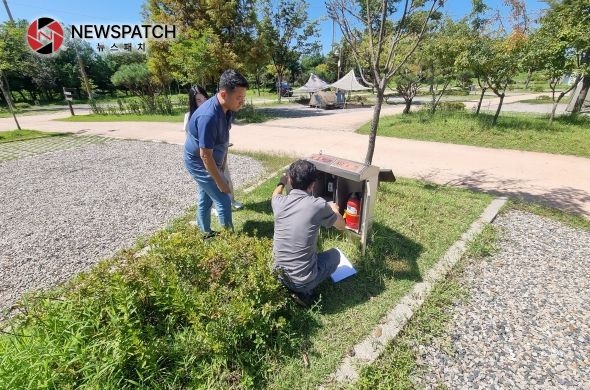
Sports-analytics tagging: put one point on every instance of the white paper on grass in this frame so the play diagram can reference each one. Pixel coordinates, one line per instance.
(344, 270)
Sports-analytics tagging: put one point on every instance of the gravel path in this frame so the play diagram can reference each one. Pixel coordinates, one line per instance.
(62, 212)
(526, 324)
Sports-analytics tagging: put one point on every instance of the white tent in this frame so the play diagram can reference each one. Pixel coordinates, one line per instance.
(314, 84)
(349, 83)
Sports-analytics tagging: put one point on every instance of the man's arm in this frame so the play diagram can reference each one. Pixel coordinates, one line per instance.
(340, 224)
(207, 157)
(278, 190)
(281, 185)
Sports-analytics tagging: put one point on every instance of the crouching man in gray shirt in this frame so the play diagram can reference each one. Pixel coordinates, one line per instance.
(298, 217)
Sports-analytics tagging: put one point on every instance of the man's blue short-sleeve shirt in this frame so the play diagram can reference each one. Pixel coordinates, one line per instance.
(208, 128)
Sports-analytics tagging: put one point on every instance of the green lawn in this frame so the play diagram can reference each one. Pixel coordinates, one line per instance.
(566, 135)
(191, 314)
(21, 135)
(545, 99)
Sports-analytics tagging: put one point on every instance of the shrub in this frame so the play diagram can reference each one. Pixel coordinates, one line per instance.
(95, 108)
(21, 105)
(250, 114)
(445, 106)
(457, 92)
(360, 99)
(187, 314)
(452, 106)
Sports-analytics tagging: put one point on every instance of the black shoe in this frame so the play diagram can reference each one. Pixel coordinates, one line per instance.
(303, 299)
(210, 234)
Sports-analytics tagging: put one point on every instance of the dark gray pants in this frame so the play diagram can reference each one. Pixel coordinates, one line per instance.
(327, 263)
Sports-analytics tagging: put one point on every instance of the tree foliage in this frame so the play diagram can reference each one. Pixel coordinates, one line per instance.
(286, 32)
(566, 26)
(212, 35)
(375, 32)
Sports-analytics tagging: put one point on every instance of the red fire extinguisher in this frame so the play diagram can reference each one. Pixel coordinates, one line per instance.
(353, 212)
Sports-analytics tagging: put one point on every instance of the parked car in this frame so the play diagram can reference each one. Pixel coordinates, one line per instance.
(285, 89)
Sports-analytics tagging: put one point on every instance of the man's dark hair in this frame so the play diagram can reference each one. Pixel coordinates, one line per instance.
(230, 80)
(302, 173)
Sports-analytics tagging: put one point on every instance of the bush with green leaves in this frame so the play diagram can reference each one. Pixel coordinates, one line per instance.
(445, 106)
(188, 313)
(21, 105)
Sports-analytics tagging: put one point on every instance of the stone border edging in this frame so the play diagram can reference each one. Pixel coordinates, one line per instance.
(366, 351)
(254, 186)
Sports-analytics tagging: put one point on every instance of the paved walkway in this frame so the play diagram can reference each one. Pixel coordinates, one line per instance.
(561, 181)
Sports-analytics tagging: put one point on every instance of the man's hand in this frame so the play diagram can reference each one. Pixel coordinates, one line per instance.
(284, 180)
(224, 187)
(334, 207)
(340, 223)
(209, 162)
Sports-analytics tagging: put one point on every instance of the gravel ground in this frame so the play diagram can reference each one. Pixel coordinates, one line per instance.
(526, 324)
(62, 212)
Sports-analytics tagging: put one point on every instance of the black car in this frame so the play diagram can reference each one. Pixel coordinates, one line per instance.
(285, 89)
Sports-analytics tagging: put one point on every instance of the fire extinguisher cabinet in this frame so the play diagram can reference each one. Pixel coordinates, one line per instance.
(338, 179)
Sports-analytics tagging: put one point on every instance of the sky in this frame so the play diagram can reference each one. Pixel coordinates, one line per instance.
(129, 12)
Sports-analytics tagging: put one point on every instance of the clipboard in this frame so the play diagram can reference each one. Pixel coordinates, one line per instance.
(344, 270)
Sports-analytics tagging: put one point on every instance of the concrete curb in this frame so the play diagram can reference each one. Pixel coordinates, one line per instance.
(370, 348)
(254, 186)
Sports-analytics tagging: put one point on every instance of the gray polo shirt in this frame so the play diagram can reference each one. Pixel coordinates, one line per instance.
(298, 217)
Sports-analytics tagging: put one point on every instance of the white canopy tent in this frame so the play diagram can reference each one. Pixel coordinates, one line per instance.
(314, 84)
(349, 83)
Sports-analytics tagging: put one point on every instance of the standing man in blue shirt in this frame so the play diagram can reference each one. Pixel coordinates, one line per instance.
(205, 149)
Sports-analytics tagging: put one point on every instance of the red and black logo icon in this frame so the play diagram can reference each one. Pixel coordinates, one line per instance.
(45, 35)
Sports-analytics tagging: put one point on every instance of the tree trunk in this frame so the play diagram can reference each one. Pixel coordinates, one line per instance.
(582, 96)
(483, 92)
(555, 103)
(279, 78)
(375, 124)
(8, 102)
(499, 108)
(408, 105)
(528, 78)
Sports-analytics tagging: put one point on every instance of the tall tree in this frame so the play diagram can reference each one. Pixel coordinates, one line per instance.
(440, 54)
(504, 63)
(547, 53)
(570, 22)
(384, 25)
(212, 35)
(287, 34)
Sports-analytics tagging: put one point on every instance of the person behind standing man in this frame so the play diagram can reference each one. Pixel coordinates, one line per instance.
(298, 217)
(205, 149)
(196, 96)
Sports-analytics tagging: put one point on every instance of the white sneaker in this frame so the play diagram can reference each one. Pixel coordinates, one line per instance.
(237, 205)
(214, 211)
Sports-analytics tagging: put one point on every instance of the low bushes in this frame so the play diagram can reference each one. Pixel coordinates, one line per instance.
(161, 104)
(187, 314)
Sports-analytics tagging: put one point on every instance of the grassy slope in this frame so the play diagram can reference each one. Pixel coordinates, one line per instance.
(514, 131)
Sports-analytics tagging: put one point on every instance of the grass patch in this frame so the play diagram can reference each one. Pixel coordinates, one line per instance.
(195, 314)
(177, 118)
(398, 364)
(545, 99)
(23, 134)
(566, 135)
